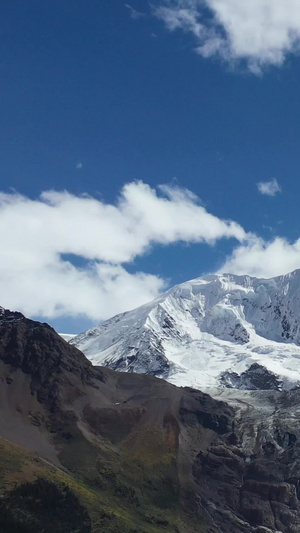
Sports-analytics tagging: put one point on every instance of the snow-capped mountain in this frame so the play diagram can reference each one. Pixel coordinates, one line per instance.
(218, 330)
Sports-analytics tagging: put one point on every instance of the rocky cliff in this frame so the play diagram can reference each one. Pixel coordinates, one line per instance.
(142, 454)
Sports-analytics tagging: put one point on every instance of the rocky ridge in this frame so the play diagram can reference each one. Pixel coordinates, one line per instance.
(174, 458)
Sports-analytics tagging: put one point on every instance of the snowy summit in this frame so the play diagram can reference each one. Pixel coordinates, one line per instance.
(236, 332)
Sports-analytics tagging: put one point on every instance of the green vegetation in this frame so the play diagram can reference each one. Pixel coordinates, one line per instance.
(43, 507)
(10, 463)
(116, 500)
(130, 489)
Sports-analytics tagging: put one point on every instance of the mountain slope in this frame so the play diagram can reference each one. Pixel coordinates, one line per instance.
(122, 442)
(140, 454)
(216, 330)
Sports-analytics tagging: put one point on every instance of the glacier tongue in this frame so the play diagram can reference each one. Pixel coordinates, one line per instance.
(208, 333)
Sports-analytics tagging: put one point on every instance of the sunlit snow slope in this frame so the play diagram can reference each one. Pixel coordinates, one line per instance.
(234, 331)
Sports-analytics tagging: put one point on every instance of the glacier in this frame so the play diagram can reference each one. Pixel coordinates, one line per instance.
(212, 333)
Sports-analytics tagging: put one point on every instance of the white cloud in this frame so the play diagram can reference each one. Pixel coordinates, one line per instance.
(58, 288)
(264, 259)
(35, 234)
(37, 278)
(261, 32)
(270, 188)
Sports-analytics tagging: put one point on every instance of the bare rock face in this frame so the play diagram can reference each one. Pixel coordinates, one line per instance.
(39, 352)
(252, 476)
(256, 377)
(198, 464)
(259, 493)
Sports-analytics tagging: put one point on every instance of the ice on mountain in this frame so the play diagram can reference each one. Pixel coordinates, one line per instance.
(201, 329)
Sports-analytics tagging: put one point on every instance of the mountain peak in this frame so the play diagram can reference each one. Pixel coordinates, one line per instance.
(203, 328)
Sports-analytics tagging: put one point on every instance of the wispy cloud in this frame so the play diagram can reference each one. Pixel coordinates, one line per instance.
(134, 14)
(270, 188)
(258, 32)
(36, 235)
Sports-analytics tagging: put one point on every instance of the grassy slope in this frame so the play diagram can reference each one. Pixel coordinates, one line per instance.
(132, 491)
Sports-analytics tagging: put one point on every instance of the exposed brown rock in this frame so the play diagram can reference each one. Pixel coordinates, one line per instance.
(189, 449)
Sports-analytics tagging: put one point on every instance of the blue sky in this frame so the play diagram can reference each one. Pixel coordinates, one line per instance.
(97, 96)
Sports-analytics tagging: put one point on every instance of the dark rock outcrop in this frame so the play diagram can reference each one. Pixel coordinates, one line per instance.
(256, 377)
(175, 458)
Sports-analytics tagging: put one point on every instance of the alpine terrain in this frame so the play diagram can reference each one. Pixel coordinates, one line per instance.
(212, 333)
(87, 449)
